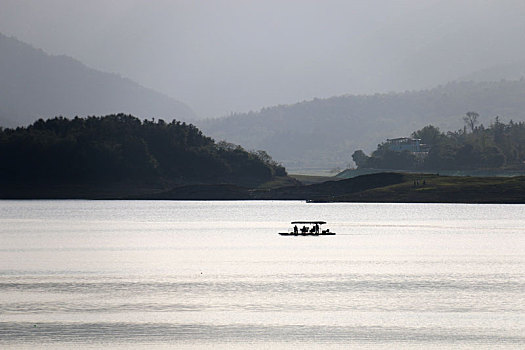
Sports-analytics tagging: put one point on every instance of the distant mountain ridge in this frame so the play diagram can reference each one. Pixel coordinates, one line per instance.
(36, 85)
(325, 132)
(511, 71)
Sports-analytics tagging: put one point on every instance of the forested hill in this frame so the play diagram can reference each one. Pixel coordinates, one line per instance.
(498, 146)
(325, 132)
(36, 85)
(121, 149)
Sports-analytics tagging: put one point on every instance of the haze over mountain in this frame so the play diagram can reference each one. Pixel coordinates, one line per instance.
(510, 71)
(235, 56)
(36, 85)
(324, 132)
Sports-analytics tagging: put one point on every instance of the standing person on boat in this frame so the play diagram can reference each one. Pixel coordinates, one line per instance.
(295, 229)
(316, 228)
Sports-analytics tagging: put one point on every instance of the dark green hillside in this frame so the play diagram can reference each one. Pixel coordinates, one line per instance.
(121, 155)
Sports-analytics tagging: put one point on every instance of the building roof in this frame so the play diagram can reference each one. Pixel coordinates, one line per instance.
(403, 138)
(309, 222)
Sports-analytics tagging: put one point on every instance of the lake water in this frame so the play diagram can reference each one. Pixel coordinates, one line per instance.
(215, 274)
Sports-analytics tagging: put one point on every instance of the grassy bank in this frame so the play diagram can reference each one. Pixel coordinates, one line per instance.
(430, 188)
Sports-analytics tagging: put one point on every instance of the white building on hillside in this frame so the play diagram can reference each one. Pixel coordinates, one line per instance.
(407, 144)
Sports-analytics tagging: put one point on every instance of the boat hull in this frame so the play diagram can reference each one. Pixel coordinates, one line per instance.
(307, 234)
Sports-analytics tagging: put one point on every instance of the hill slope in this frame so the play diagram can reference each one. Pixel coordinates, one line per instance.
(120, 155)
(325, 132)
(36, 85)
(430, 188)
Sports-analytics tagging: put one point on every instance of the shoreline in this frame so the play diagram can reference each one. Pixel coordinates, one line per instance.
(371, 188)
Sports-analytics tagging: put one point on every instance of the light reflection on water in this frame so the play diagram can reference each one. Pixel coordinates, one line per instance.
(198, 274)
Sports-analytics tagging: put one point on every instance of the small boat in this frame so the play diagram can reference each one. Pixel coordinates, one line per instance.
(313, 229)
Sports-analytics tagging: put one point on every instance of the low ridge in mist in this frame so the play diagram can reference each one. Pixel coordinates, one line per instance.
(325, 132)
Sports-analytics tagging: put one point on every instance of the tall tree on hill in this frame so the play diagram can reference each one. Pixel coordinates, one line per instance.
(471, 120)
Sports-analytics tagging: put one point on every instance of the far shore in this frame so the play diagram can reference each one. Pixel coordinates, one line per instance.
(379, 188)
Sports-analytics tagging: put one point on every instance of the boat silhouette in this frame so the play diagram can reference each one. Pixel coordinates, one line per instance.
(313, 229)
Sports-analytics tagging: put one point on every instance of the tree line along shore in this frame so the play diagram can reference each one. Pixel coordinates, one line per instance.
(122, 157)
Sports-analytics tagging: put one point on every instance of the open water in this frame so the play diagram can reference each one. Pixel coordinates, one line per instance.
(215, 274)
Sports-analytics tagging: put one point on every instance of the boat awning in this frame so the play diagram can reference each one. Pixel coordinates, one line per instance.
(309, 222)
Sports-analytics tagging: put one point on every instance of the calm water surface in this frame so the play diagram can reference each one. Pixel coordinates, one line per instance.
(161, 274)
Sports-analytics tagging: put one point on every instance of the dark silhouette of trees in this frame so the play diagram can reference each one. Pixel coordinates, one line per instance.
(429, 135)
(123, 148)
(471, 120)
(385, 158)
(360, 158)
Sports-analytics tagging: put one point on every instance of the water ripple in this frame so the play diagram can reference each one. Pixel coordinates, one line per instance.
(24, 332)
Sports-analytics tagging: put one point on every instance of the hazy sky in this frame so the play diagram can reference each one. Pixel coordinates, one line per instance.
(237, 55)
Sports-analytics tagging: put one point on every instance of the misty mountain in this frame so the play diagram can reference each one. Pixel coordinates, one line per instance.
(325, 132)
(36, 85)
(509, 71)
